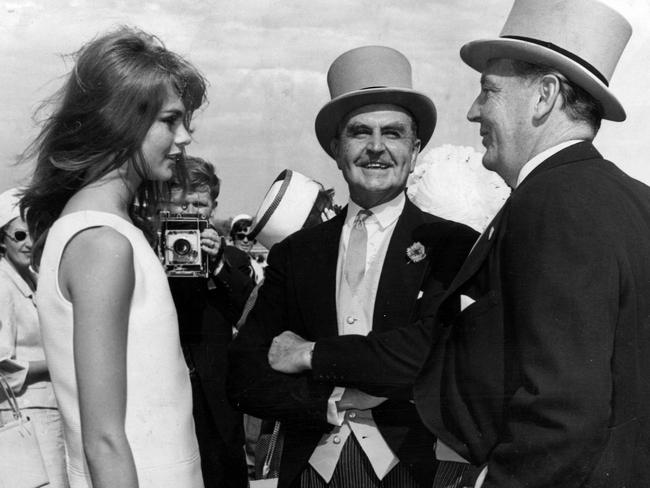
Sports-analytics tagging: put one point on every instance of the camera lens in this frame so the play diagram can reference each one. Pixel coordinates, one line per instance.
(182, 247)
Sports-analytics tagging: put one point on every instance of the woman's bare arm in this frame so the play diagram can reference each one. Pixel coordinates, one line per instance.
(97, 274)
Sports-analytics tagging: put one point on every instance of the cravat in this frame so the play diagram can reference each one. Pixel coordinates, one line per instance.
(355, 256)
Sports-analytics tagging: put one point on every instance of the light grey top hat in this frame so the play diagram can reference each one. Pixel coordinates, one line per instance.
(583, 39)
(371, 75)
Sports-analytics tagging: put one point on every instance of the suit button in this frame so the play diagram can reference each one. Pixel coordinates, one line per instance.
(352, 415)
(337, 439)
(350, 319)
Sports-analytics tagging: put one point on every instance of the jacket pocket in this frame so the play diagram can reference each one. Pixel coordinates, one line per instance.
(478, 308)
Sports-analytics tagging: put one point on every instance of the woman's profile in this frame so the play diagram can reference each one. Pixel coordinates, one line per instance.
(119, 126)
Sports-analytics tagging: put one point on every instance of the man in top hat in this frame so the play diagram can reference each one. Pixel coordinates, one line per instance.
(353, 275)
(543, 374)
(541, 378)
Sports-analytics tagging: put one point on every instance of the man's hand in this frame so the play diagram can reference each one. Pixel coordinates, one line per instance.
(290, 353)
(353, 398)
(210, 242)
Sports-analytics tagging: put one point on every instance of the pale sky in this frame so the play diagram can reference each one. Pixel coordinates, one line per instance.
(266, 63)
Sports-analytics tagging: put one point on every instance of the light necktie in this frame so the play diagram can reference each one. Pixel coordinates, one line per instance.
(355, 256)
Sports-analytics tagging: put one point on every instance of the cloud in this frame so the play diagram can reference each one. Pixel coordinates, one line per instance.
(266, 62)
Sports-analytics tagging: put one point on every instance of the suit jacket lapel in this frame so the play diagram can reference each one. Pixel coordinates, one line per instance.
(316, 278)
(479, 252)
(400, 278)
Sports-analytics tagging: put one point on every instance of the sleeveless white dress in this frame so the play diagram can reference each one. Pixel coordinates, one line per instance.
(159, 424)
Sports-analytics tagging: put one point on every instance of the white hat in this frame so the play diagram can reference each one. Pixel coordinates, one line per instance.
(583, 39)
(239, 217)
(9, 208)
(285, 207)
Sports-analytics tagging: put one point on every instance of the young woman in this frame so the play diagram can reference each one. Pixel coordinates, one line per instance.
(109, 325)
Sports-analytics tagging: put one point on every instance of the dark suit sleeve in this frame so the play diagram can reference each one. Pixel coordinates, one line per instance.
(561, 281)
(233, 284)
(253, 386)
(386, 363)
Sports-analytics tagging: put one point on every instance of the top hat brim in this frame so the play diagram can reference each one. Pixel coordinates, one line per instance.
(419, 105)
(476, 54)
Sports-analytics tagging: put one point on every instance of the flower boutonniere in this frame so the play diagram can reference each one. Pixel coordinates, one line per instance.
(416, 252)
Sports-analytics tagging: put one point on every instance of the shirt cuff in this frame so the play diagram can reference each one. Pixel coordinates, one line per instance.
(334, 416)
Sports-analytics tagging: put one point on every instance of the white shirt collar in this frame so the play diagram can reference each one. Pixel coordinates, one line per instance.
(386, 213)
(541, 157)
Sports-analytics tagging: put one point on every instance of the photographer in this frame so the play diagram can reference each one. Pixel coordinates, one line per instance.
(207, 310)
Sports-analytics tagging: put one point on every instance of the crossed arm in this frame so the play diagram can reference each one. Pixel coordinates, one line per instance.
(252, 385)
(256, 388)
(382, 364)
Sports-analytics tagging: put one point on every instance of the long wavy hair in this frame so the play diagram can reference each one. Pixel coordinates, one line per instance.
(99, 120)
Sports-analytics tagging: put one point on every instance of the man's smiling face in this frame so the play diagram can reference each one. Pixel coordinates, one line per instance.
(504, 109)
(376, 151)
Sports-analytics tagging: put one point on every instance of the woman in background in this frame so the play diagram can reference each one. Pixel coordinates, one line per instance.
(108, 320)
(239, 229)
(22, 359)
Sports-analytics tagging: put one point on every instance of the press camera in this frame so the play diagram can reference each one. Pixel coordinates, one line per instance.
(179, 245)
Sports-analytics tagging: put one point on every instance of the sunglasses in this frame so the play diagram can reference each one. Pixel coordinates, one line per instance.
(242, 235)
(19, 236)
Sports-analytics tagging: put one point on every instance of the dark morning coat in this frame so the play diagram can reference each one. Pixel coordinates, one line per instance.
(546, 376)
(299, 294)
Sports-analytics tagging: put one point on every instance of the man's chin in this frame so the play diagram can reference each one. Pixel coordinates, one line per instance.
(489, 162)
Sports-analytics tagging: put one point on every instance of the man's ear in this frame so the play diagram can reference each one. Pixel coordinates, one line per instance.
(548, 95)
(334, 148)
(414, 154)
